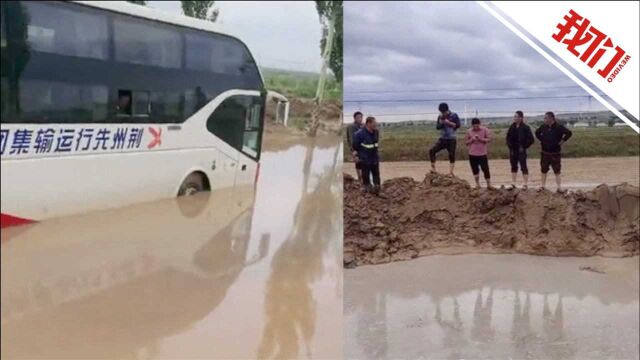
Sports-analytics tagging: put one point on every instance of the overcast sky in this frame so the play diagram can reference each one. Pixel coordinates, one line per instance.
(284, 35)
(443, 46)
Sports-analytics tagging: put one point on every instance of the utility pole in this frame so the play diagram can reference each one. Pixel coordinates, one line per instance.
(315, 121)
(465, 115)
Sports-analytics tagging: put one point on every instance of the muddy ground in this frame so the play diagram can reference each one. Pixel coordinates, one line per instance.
(577, 173)
(445, 215)
(330, 115)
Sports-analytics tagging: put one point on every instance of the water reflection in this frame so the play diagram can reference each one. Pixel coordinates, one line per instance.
(453, 329)
(481, 330)
(519, 311)
(71, 286)
(289, 305)
(153, 280)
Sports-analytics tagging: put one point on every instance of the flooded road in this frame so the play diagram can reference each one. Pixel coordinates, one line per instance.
(493, 306)
(578, 173)
(230, 274)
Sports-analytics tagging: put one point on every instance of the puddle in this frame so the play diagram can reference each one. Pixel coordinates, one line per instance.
(493, 306)
(253, 272)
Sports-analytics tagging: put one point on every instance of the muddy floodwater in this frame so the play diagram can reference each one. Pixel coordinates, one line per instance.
(253, 272)
(578, 173)
(493, 307)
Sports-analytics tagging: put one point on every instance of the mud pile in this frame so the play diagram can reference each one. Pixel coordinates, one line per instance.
(330, 110)
(445, 215)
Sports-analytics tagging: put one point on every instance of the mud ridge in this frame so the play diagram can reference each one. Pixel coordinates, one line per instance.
(445, 215)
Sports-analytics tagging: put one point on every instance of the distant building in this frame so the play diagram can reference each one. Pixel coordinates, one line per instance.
(581, 124)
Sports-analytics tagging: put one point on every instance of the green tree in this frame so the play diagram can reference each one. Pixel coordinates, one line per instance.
(139, 2)
(200, 9)
(327, 9)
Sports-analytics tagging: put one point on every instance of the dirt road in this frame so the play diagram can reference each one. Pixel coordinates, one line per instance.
(493, 307)
(579, 173)
(248, 273)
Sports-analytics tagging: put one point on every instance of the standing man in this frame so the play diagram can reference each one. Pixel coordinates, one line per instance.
(365, 142)
(351, 130)
(551, 136)
(477, 139)
(519, 139)
(448, 122)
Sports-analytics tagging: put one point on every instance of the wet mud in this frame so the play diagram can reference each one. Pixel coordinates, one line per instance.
(445, 215)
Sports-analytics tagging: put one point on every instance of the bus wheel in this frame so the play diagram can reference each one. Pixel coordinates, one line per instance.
(193, 184)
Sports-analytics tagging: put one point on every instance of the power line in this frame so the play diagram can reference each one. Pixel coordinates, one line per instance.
(458, 90)
(493, 112)
(465, 99)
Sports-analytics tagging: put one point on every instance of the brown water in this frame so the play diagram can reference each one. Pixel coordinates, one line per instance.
(578, 173)
(493, 307)
(231, 274)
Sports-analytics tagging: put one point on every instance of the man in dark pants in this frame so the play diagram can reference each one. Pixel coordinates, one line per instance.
(365, 142)
(448, 122)
(551, 136)
(519, 139)
(477, 139)
(351, 130)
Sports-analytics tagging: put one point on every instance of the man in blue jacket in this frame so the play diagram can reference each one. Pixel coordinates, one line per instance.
(448, 122)
(365, 142)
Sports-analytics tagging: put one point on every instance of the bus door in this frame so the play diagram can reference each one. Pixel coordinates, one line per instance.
(251, 140)
(238, 122)
(226, 173)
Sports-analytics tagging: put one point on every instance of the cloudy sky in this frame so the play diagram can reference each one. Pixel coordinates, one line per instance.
(396, 51)
(284, 35)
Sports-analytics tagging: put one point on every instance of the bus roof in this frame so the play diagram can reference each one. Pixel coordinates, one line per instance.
(127, 8)
(131, 9)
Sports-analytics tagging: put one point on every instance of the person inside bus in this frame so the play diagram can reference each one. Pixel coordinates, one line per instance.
(124, 103)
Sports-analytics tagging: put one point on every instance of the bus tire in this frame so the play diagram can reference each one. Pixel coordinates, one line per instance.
(195, 183)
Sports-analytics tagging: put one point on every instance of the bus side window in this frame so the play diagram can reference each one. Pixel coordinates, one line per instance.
(141, 103)
(237, 121)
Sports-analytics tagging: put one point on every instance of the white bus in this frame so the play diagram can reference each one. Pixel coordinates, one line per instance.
(106, 104)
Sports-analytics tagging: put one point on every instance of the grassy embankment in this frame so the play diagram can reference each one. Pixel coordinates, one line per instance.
(302, 85)
(412, 143)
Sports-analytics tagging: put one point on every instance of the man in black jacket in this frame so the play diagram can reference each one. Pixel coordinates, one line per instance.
(551, 136)
(519, 139)
(365, 142)
(351, 130)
